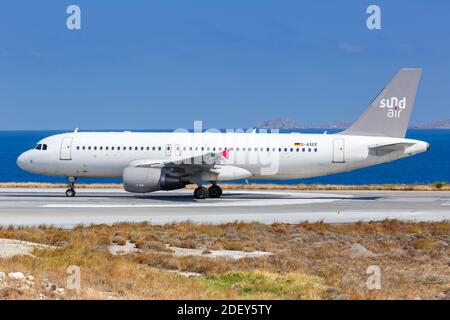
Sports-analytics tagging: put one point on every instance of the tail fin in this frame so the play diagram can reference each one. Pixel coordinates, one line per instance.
(388, 114)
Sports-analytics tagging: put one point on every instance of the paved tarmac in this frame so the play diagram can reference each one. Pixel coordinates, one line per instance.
(22, 206)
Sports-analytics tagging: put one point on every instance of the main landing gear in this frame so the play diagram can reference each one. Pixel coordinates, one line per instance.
(213, 192)
(71, 191)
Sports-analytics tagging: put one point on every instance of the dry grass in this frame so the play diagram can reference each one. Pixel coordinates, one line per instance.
(437, 186)
(310, 260)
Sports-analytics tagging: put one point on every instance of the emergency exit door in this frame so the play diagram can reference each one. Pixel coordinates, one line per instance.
(338, 151)
(66, 149)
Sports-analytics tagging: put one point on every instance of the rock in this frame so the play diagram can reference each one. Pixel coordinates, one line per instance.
(16, 275)
(48, 286)
(29, 278)
(358, 251)
(8, 292)
(2, 276)
(441, 244)
(60, 290)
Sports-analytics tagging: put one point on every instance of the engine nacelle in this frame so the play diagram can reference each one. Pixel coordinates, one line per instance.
(143, 180)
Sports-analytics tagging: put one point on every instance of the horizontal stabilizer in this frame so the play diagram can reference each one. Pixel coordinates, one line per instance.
(383, 149)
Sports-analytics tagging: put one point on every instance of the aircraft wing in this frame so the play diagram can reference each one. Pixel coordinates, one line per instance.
(206, 160)
(382, 149)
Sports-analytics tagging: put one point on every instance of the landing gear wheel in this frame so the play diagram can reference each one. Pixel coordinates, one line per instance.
(201, 193)
(70, 193)
(215, 191)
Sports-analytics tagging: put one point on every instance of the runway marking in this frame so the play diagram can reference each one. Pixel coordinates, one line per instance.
(247, 203)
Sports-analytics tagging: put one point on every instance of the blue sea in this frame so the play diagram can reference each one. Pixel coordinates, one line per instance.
(424, 168)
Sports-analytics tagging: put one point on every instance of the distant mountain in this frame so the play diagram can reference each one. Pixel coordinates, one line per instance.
(289, 123)
(282, 123)
(441, 124)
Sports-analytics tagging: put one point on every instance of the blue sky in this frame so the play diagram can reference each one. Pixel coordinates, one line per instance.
(164, 64)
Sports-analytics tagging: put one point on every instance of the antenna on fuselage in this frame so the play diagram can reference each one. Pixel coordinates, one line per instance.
(76, 130)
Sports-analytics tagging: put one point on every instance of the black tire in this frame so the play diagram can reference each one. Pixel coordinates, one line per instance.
(201, 193)
(70, 193)
(215, 191)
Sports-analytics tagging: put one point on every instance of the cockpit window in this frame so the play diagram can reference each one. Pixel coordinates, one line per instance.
(41, 147)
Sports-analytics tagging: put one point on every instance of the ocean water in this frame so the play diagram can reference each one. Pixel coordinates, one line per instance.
(424, 168)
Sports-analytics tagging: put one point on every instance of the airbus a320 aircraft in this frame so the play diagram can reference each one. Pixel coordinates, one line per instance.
(149, 161)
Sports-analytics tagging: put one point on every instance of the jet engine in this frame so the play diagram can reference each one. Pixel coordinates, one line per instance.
(143, 180)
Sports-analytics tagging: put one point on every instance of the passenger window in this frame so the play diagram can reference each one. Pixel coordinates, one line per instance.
(285, 149)
(106, 148)
(309, 149)
(78, 148)
(303, 150)
(292, 149)
(84, 148)
(95, 148)
(159, 148)
(153, 148)
(315, 149)
(112, 148)
(101, 148)
(297, 149)
(89, 148)
(118, 148)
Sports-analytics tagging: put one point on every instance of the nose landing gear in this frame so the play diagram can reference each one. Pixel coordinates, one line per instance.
(71, 191)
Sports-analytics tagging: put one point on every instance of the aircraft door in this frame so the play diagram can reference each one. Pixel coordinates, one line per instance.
(338, 151)
(66, 149)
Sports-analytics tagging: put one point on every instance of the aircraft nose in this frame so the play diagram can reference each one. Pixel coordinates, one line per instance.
(22, 161)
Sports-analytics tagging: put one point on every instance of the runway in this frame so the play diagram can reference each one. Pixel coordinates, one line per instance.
(22, 206)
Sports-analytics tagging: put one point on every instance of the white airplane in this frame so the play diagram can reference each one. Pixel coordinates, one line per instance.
(150, 161)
